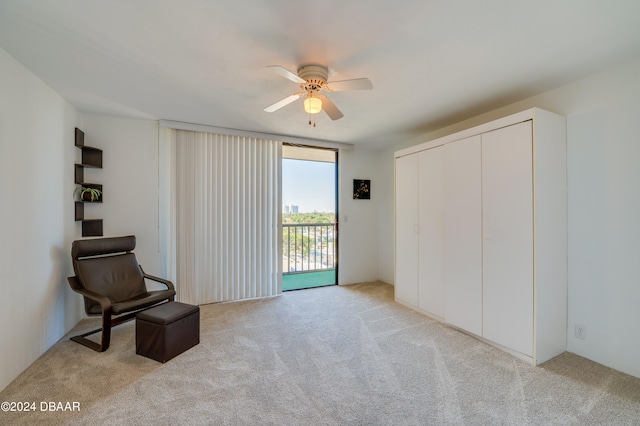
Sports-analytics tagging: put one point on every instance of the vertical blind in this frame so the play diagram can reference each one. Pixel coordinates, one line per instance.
(227, 195)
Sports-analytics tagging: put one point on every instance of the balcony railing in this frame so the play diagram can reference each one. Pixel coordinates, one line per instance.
(308, 247)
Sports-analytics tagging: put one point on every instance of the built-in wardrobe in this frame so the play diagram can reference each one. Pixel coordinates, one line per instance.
(481, 232)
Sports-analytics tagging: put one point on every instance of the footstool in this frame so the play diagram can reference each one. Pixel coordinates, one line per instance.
(165, 331)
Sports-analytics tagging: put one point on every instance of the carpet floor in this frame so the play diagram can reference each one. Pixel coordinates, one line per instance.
(337, 355)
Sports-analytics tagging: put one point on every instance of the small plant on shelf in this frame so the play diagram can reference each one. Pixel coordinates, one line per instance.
(88, 194)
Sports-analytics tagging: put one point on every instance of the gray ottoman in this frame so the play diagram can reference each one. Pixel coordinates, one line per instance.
(165, 331)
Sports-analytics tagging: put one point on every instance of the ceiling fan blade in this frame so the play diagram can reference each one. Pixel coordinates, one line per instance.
(330, 108)
(284, 102)
(355, 84)
(286, 74)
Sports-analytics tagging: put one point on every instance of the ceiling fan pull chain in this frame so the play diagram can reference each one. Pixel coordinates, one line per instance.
(314, 120)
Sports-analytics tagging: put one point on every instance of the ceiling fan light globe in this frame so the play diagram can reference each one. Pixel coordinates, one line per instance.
(312, 105)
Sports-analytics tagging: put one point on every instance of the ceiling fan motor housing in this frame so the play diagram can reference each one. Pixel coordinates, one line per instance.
(315, 77)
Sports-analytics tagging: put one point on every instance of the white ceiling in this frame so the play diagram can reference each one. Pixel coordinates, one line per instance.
(432, 62)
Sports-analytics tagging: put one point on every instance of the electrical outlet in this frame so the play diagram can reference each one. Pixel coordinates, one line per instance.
(581, 332)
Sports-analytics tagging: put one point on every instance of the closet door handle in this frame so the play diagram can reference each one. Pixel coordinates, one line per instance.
(415, 228)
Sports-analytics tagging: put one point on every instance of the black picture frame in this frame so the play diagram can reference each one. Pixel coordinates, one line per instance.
(361, 189)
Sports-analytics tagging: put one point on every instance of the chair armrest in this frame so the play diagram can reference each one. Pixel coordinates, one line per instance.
(104, 301)
(168, 283)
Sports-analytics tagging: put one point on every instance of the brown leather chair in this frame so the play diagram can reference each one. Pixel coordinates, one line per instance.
(113, 284)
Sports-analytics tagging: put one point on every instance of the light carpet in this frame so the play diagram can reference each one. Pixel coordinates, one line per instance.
(339, 355)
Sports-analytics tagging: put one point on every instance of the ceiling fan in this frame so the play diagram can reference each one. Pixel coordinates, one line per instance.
(312, 79)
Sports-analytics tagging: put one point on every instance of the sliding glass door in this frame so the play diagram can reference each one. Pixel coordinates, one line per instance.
(309, 217)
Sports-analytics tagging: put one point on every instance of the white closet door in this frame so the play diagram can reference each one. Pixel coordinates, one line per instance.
(463, 234)
(507, 191)
(431, 232)
(406, 279)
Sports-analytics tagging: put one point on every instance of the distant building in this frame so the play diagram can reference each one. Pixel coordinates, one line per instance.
(290, 209)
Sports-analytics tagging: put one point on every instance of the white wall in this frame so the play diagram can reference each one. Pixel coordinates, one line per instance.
(129, 178)
(130, 203)
(37, 153)
(358, 232)
(386, 211)
(603, 147)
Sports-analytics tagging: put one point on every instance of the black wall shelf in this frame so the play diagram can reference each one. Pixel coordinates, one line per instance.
(92, 228)
(92, 158)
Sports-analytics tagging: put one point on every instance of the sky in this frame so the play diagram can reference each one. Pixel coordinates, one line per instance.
(309, 184)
